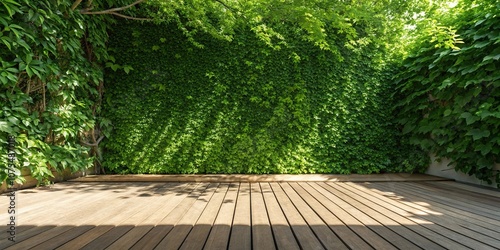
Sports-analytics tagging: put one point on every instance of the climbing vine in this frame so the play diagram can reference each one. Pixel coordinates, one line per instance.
(245, 107)
(450, 91)
(51, 86)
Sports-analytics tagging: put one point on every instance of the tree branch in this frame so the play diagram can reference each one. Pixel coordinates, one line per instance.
(113, 10)
(120, 15)
(93, 144)
(131, 17)
(75, 4)
(227, 6)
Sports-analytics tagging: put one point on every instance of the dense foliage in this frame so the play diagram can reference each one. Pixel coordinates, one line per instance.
(53, 53)
(450, 90)
(244, 107)
(249, 86)
(49, 83)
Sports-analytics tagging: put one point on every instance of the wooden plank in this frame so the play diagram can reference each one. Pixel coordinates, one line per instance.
(467, 219)
(329, 239)
(156, 234)
(175, 238)
(484, 193)
(21, 229)
(283, 234)
(198, 235)
(58, 218)
(86, 238)
(357, 212)
(328, 200)
(429, 199)
(74, 208)
(478, 235)
(33, 215)
(126, 219)
(110, 217)
(461, 208)
(398, 224)
(26, 196)
(22, 235)
(262, 235)
(456, 201)
(107, 238)
(144, 221)
(473, 188)
(439, 225)
(42, 194)
(219, 235)
(40, 238)
(63, 238)
(492, 217)
(349, 237)
(46, 197)
(63, 210)
(302, 231)
(477, 198)
(447, 219)
(241, 233)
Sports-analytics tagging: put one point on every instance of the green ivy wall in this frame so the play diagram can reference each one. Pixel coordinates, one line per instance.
(450, 94)
(243, 107)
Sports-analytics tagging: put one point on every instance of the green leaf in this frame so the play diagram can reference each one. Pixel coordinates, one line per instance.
(485, 149)
(469, 118)
(127, 68)
(7, 41)
(29, 58)
(4, 126)
(446, 83)
(3, 79)
(10, 6)
(29, 71)
(491, 57)
(478, 134)
(486, 113)
(481, 44)
(13, 120)
(479, 22)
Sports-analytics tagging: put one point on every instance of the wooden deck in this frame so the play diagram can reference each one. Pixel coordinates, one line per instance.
(255, 215)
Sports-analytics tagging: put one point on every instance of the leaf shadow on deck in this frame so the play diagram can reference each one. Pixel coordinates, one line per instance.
(291, 215)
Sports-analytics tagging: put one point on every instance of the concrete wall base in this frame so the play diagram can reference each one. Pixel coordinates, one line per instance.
(442, 169)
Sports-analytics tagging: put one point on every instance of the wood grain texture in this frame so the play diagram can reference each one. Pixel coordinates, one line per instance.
(256, 215)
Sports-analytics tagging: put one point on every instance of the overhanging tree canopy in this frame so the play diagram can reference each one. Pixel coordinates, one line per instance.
(362, 22)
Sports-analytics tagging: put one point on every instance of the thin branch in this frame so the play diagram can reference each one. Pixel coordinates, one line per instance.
(227, 6)
(75, 4)
(95, 144)
(120, 15)
(111, 11)
(114, 11)
(131, 17)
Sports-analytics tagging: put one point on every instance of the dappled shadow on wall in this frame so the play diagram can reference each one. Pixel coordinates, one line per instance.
(246, 110)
